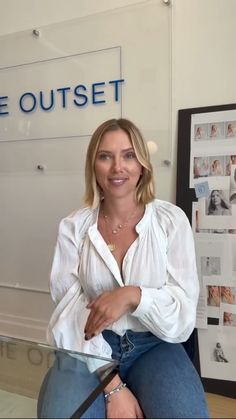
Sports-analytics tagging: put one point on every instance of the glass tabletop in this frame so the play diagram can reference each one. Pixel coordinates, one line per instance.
(24, 366)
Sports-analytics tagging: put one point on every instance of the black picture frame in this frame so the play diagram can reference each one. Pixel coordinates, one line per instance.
(184, 198)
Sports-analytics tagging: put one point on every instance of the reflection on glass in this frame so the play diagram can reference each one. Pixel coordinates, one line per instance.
(29, 371)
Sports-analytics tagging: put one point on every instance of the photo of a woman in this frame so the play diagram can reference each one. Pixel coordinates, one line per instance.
(229, 319)
(200, 132)
(216, 130)
(213, 297)
(231, 130)
(210, 265)
(228, 295)
(218, 204)
(230, 163)
(216, 168)
(201, 167)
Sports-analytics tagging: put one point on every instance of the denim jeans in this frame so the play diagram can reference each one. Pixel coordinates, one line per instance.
(159, 374)
(65, 387)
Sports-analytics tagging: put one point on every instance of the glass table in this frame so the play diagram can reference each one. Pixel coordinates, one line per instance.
(23, 367)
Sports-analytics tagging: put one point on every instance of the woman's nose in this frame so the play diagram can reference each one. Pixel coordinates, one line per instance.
(117, 164)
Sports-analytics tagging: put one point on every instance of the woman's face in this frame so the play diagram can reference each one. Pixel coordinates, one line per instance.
(216, 198)
(117, 169)
(213, 289)
(214, 129)
(228, 317)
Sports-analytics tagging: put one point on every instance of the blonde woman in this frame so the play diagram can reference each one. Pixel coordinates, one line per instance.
(126, 265)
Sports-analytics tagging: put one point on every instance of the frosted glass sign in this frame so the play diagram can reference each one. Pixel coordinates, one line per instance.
(60, 97)
(55, 89)
(78, 73)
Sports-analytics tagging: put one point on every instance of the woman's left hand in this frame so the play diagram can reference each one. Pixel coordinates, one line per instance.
(109, 307)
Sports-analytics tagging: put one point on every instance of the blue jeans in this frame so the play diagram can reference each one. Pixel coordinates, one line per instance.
(65, 387)
(159, 374)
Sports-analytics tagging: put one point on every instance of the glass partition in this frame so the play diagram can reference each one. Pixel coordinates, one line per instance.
(25, 365)
(58, 82)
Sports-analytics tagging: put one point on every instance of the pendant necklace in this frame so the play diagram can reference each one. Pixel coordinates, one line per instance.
(116, 230)
(111, 247)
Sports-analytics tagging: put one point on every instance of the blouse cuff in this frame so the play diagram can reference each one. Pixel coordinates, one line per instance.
(148, 295)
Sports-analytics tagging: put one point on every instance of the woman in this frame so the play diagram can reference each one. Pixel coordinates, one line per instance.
(218, 204)
(231, 162)
(214, 130)
(131, 260)
(219, 353)
(216, 168)
(201, 167)
(200, 133)
(213, 298)
(228, 319)
(227, 295)
(230, 130)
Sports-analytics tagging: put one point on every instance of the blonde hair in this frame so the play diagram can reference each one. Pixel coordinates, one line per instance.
(145, 187)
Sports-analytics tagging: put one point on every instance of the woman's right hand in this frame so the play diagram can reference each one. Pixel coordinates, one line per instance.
(123, 404)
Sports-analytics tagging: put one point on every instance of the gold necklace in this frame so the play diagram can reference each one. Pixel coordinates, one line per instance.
(116, 230)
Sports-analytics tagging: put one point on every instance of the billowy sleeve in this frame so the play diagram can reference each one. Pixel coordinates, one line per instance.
(169, 312)
(66, 326)
(65, 264)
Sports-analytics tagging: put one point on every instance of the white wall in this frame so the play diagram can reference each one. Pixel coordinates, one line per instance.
(26, 14)
(203, 50)
(203, 73)
(204, 54)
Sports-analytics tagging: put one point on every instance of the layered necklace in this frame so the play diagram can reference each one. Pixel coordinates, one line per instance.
(118, 228)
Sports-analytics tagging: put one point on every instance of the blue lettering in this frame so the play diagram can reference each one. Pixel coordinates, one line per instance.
(63, 90)
(46, 108)
(3, 105)
(22, 98)
(81, 96)
(28, 101)
(97, 93)
(116, 87)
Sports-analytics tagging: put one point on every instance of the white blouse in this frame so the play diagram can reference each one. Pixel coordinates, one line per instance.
(161, 261)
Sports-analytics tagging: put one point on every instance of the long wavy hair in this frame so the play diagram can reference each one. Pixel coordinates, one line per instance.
(223, 202)
(145, 191)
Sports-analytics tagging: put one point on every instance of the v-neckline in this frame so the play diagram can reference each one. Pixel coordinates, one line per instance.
(103, 250)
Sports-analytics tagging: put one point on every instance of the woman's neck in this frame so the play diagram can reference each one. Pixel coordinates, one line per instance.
(119, 209)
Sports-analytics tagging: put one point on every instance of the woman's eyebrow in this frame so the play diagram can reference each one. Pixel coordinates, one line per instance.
(127, 149)
(104, 151)
(122, 151)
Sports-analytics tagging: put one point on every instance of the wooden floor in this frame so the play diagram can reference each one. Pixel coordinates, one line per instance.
(221, 407)
(16, 406)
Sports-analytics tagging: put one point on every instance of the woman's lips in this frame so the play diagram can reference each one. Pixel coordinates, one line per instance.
(117, 181)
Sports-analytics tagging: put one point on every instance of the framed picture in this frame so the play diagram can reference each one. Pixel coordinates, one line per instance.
(206, 191)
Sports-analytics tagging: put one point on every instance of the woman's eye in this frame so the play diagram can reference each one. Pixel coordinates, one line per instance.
(104, 156)
(130, 155)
